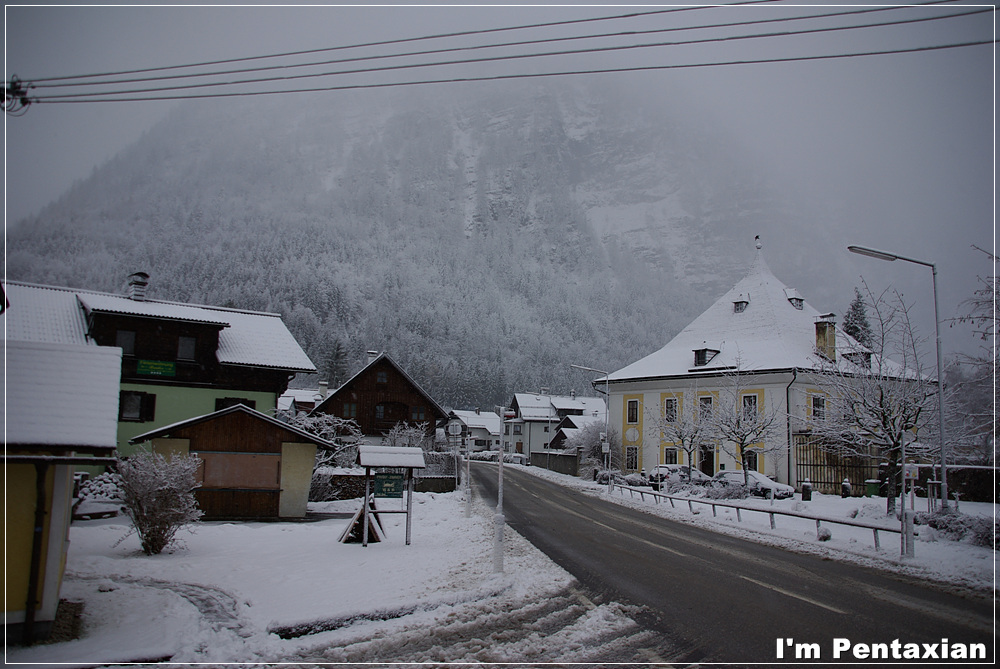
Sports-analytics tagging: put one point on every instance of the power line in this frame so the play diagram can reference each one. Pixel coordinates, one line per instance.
(499, 77)
(472, 61)
(404, 40)
(76, 84)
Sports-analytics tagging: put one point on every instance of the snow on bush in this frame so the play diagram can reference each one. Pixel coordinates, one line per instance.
(977, 530)
(158, 495)
(726, 491)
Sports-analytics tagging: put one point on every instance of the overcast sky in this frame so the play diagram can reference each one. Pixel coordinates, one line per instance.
(897, 149)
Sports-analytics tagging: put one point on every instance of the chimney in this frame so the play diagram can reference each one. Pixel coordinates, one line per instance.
(572, 394)
(477, 411)
(371, 356)
(137, 284)
(826, 336)
(324, 387)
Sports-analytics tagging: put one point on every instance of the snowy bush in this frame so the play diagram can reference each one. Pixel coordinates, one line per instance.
(824, 534)
(158, 496)
(726, 491)
(977, 530)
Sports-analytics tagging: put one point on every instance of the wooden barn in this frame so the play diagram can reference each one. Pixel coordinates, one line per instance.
(253, 466)
(380, 396)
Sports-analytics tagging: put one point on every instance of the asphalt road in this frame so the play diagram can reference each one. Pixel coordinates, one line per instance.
(718, 598)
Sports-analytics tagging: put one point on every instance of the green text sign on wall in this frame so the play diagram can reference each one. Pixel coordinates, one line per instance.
(156, 368)
(389, 485)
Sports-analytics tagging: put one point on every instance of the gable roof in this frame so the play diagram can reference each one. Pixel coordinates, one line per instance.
(537, 407)
(61, 394)
(384, 356)
(238, 408)
(487, 420)
(59, 315)
(771, 333)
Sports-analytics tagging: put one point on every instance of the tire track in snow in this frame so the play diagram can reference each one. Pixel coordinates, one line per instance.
(563, 626)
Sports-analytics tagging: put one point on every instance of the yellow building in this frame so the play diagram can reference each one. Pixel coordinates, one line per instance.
(61, 412)
(779, 345)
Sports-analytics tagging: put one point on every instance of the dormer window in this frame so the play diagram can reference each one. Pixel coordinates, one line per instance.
(703, 356)
(740, 303)
(794, 298)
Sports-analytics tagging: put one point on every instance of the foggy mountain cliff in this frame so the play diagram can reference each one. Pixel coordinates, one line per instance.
(485, 237)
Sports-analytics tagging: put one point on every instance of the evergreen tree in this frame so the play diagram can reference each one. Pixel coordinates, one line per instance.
(336, 365)
(856, 321)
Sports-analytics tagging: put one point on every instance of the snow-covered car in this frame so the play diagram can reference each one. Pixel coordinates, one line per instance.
(757, 482)
(677, 474)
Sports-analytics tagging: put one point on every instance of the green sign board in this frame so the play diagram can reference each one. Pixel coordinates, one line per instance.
(156, 368)
(389, 485)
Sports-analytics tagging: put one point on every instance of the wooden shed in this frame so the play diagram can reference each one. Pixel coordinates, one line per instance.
(253, 466)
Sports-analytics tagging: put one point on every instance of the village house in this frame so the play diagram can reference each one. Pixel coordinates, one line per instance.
(768, 333)
(178, 360)
(379, 397)
(537, 416)
(480, 429)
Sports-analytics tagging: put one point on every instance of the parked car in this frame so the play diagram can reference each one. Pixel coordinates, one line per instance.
(758, 483)
(677, 474)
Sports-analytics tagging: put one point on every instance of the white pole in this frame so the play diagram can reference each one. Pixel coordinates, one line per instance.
(498, 519)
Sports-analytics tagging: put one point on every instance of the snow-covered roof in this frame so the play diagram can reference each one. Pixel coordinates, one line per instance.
(775, 331)
(173, 427)
(121, 304)
(61, 394)
(486, 420)
(391, 456)
(539, 407)
(55, 314)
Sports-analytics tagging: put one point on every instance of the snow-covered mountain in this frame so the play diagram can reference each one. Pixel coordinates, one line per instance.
(486, 237)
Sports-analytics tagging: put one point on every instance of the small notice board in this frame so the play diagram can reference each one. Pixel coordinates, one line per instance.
(385, 484)
(390, 485)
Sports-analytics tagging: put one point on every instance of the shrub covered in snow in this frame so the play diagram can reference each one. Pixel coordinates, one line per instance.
(726, 491)
(977, 530)
(158, 495)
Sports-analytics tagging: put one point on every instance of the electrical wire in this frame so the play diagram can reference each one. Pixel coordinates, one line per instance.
(404, 40)
(631, 33)
(500, 77)
(491, 59)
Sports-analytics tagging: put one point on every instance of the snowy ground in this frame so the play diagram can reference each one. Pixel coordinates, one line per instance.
(232, 591)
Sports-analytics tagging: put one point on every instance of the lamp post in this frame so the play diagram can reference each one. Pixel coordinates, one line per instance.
(607, 412)
(889, 257)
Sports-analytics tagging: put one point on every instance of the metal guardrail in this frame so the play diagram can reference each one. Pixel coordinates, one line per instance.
(771, 512)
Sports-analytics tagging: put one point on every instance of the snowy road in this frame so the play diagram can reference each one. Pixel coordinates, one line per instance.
(722, 598)
(564, 627)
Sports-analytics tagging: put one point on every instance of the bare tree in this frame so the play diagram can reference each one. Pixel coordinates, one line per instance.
(343, 433)
(740, 423)
(880, 403)
(680, 424)
(588, 440)
(971, 392)
(403, 434)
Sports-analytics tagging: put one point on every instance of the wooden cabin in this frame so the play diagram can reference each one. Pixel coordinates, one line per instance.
(253, 466)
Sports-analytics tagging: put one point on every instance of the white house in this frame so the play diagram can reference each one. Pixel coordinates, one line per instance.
(481, 428)
(768, 332)
(538, 415)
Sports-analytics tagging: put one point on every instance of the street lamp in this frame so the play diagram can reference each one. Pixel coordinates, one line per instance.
(883, 255)
(607, 412)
